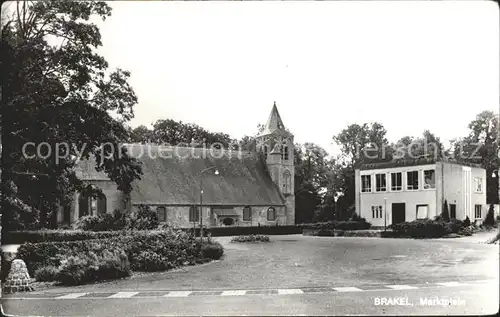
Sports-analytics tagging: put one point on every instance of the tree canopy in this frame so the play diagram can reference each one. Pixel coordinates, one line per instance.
(57, 91)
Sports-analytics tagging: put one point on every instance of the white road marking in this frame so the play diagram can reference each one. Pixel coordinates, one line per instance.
(290, 291)
(450, 284)
(233, 293)
(178, 294)
(401, 287)
(123, 295)
(347, 289)
(71, 295)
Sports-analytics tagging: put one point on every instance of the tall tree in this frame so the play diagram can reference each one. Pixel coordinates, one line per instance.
(57, 91)
(481, 147)
(358, 143)
(312, 175)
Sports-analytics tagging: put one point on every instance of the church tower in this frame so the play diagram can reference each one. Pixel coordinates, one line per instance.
(276, 145)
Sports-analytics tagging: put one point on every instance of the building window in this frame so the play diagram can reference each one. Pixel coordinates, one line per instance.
(286, 155)
(271, 214)
(91, 206)
(101, 205)
(453, 211)
(265, 151)
(396, 181)
(247, 214)
(376, 212)
(422, 211)
(429, 179)
(287, 182)
(366, 183)
(477, 212)
(380, 183)
(194, 214)
(162, 214)
(412, 180)
(478, 184)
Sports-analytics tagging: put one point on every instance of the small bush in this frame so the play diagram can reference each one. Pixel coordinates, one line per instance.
(465, 231)
(213, 250)
(456, 225)
(46, 273)
(145, 219)
(118, 220)
(90, 267)
(251, 238)
(467, 222)
(489, 221)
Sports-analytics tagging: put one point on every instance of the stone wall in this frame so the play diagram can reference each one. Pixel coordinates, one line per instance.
(179, 216)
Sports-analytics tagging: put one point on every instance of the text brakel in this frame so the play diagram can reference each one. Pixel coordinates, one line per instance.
(392, 301)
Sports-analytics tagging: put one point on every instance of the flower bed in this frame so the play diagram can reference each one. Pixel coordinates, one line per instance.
(79, 262)
(251, 238)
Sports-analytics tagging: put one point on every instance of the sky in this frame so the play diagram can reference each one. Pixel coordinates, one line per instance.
(410, 65)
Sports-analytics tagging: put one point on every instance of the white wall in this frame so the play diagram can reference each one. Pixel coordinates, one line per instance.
(411, 198)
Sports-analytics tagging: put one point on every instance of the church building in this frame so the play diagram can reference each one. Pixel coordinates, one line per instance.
(216, 187)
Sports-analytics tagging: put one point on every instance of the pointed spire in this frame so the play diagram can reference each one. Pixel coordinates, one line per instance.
(274, 121)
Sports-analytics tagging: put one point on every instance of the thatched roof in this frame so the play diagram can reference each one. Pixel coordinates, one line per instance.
(174, 178)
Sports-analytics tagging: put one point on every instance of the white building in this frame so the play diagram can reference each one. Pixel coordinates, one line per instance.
(405, 190)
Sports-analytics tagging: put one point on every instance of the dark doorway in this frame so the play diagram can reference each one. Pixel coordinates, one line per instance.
(228, 221)
(453, 211)
(398, 213)
(66, 214)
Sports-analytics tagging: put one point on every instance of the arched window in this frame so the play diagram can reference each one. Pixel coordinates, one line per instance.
(83, 205)
(162, 214)
(194, 214)
(101, 205)
(247, 213)
(265, 151)
(284, 153)
(287, 182)
(271, 214)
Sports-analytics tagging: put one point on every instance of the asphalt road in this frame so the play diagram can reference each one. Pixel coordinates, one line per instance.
(296, 275)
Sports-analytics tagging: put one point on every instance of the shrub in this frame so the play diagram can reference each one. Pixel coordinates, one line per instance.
(145, 219)
(489, 221)
(465, 231)
(445, 214)
(46, 273)
(213, 250)
(89, 267)
(456, 225)
(422, 228)
(118, 220)
(467, 222)
(137, 250)
(251, 238)
(20, 237)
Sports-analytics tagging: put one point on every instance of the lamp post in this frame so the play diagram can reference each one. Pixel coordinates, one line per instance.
(201, 197)
(385, 214)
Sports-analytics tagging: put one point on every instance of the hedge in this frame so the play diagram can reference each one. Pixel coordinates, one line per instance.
(20, 237)
(425, 228)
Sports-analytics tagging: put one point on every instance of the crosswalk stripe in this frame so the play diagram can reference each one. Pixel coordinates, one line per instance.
(401, 287)
(450, 284)
(290, 291)
(123, 295)
(71, 295)
(233, 293)
(178, 294)
(347, 289)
